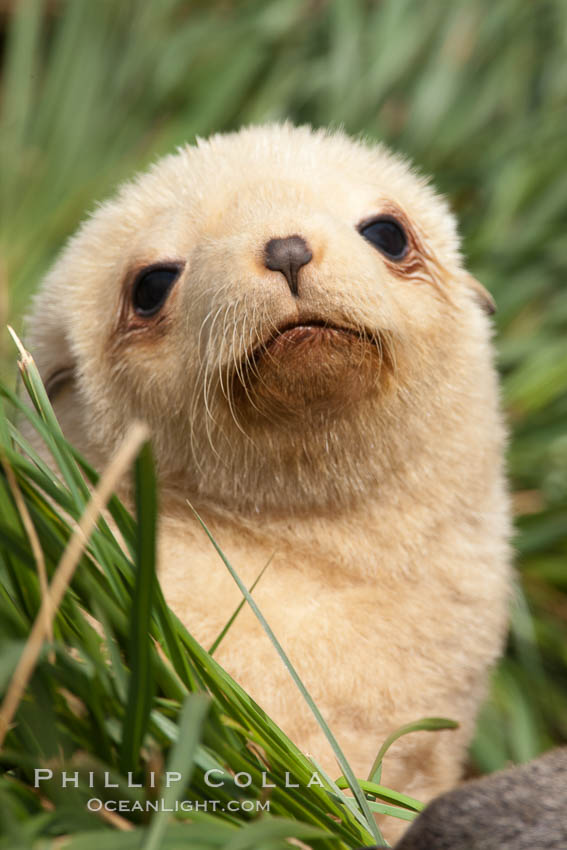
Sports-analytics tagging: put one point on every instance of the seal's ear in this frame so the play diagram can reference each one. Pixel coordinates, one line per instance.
(482, 295)
(58, 379)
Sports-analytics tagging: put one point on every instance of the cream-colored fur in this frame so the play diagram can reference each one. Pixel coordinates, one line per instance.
(372, 469)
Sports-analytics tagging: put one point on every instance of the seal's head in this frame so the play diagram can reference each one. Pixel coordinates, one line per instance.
(288, 311)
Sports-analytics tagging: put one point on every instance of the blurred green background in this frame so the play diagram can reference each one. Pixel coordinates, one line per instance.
(474, 91)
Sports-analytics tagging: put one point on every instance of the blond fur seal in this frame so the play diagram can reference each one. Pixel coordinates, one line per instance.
(289, 312)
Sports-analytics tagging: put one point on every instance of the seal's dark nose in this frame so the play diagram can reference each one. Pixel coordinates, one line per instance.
(287, 256)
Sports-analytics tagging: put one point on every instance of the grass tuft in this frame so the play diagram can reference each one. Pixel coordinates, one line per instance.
(106, 696)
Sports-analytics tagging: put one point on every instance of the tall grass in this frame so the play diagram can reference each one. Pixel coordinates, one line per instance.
(126, 685)
(105, 690)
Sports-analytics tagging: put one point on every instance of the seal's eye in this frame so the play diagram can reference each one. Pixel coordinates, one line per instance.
(152, 288)
(387, 235)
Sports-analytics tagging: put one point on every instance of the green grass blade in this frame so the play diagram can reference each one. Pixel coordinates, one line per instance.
(57, 445)
(141, 685)
(385, 794)
(393, 811)
(180, 763)
(351, 779)
(238, 608)
(426, 724)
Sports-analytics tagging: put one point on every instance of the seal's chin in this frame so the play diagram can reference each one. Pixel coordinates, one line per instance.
(310, 367)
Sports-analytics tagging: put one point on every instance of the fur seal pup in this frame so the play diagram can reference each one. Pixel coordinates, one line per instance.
(289, 312)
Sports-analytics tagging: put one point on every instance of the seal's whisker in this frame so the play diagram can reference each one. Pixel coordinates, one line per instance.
(208, 383)
(227, 391)
(245, 367)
